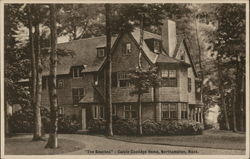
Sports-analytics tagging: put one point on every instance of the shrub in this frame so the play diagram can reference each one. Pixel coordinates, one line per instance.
(125, 127)
(97, 126)
(183, 127)
(150, 127)
(66, 124)
(22, 121)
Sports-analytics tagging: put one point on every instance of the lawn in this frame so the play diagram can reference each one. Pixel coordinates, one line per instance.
(20, 145)
(210, 139)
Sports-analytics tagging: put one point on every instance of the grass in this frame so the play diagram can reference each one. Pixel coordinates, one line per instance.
(24, 146)
(210, 139)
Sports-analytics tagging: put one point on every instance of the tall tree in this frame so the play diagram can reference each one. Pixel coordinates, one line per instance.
(33, 58)
(108, 72)
(52, 141)
(38, 119)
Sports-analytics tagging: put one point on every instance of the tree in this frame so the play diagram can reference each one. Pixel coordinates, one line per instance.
(143, 80)
(81, 20)
(38, 119)
(16, 62)
(52, 141)
(108, 72)
(33, 60)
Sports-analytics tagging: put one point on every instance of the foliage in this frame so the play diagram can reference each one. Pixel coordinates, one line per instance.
(68, 125)
(150, 127)
(97, 126)
(143, 79)
(22, 121)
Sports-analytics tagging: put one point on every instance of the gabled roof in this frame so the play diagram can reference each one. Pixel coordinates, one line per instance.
(181, 40)
(147, 35)
(84, 54)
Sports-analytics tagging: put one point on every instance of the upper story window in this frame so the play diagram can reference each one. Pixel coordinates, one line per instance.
(169, 78)
(60, 83)
(123, 79)
(77, 95)
(169, 110)
(100, 52)
(157, 48)
(189, 85)
(76, 72)
(128, 49)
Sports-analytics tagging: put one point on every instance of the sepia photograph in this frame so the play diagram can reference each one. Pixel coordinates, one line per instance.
(99, 79)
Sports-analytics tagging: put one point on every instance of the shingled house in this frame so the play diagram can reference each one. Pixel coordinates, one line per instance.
(81, 78)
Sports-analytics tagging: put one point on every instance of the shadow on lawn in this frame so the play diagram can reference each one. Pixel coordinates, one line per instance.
(23, 145)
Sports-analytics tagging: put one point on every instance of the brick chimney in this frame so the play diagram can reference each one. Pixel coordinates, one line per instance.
(168, 36)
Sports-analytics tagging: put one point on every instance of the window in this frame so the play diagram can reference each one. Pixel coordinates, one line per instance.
(169, 111)
(182, 55)
(60, 110)
(130, 112)
(189, 85)
(184, 111)
(76, 72)
(98, 112)
(169, 78)
(44, 83)
(123, 79)
(127, 49)
(60, 83)
(77, 94)
(157, 46)
(100, 52)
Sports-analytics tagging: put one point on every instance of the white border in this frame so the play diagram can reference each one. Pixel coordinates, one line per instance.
(123, 156)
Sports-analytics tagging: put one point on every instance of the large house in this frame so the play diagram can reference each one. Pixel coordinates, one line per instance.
(81, 78)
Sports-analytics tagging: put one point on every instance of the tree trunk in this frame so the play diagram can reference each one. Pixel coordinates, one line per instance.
(52, 142)
(139, 115)
(38, 120)
(221, 91)
(234, 103)
(109, 70)
(33, 61)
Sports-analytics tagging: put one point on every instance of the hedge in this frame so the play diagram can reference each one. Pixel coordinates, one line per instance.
(149, 127)
(22, 121)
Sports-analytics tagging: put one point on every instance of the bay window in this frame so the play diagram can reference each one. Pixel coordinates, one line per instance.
(169, 78)
(169, 111)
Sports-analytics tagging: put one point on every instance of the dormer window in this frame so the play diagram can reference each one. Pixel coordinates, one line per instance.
(182, 55)
(76, 72)
(100, 52)
(128, 49)
(157, 48)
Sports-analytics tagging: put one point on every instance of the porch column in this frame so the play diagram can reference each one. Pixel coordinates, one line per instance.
(188, 112)
(191, 114)
(179, 110)
(202, 115)
(198, 113)
(195, 113)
